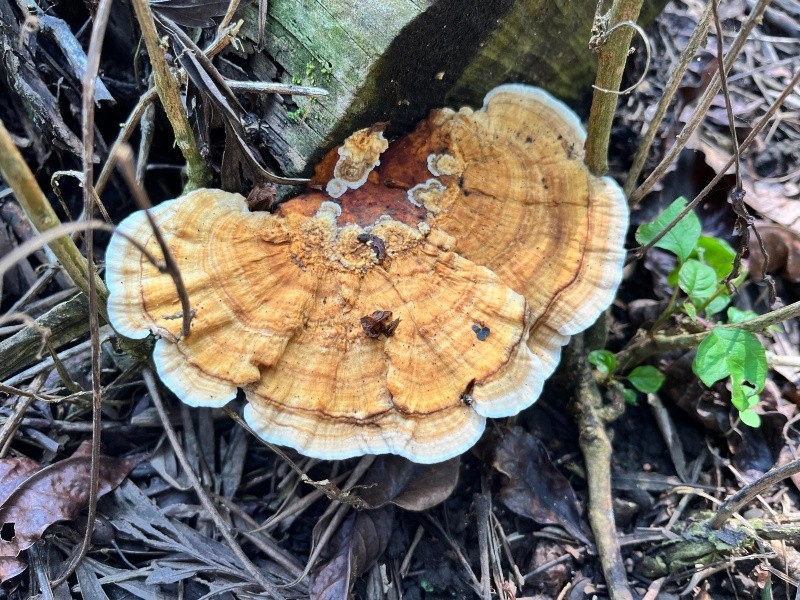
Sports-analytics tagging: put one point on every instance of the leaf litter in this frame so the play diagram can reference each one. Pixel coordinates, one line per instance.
(163, 542)
(34, 497)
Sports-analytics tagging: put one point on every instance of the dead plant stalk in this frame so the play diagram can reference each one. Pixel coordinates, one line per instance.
(588, 403)
(757, 128)
(202, 493)
(702, 106)
(87, 128)
(169, 92)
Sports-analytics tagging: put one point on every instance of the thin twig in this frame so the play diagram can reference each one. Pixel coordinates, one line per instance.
(327, 487)
(125, 163)
(757, 128)
(202, 493)
(702, 105)
(124, 134)
(660, 344)
(482, 517)
(723, 79)
(89, 84)
(339, 512)
(169, 92)
(13, 422)
(676, 75)
(749, 492)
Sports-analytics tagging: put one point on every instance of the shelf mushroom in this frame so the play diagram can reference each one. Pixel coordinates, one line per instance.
(410, 293)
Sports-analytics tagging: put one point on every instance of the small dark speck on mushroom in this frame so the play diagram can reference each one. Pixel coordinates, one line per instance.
(529, 140)
(379, 323)
(481, 332)
(466, 395)
(374, 242)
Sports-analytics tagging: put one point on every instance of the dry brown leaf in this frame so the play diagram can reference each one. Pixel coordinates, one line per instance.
(396, 480)
(33, 497)
(783, 247)
(359, 542)
(535, 488)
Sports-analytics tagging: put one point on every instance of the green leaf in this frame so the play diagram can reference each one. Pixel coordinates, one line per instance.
(717, 254)
(646, 379)
(630, 396)
(734, 353)
(743, 396)
(750, 417)
(736, 315)
(604, 360)
(681, 239)
(699, 281)
(690, 309)
(718, 304)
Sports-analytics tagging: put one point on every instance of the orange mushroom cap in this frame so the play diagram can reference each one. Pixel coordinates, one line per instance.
(395, 312)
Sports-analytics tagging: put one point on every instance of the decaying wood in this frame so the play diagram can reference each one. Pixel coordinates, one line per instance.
(395, 60)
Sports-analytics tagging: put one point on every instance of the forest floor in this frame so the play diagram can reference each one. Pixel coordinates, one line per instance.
(507, 519)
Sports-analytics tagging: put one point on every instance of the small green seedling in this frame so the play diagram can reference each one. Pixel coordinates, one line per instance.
(645, 379)
(703, 264)
(734, 353)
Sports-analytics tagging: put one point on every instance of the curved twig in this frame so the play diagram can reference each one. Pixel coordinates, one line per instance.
(646, 40)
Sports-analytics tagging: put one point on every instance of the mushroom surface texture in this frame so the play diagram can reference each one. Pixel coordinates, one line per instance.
(430, 286)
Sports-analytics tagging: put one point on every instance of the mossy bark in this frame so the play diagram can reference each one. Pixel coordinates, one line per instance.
(394, 60)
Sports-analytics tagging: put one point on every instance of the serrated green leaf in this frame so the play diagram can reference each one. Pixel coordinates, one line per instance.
(604, 360)
(717, 254)
(681, 239)
(750, 417)
(718, 304)
(736, 315)
(734, 353)
(646, 379)
(699, 281)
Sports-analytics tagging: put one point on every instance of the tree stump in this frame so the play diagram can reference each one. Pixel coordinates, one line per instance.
(394, 60)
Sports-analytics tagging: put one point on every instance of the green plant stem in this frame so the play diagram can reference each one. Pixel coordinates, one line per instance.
(169, 92)
(612, 56)
(42, 216)
(659, 344)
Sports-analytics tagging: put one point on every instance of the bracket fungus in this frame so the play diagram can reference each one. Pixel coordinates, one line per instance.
(411, 292)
